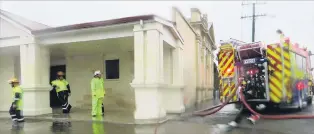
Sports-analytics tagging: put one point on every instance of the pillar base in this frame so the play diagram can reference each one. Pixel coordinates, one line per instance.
(172, 100)
(36, 100)
(148, 102)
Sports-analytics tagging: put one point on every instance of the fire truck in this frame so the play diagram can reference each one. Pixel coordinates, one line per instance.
(277, 74)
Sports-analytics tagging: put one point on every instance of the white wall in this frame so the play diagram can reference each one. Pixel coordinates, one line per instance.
(6, 72)
(79, 71)
(12, 34)
(167, 65)
(17, 67)
(172, 97)
(118, 92)
(9, 30)
(189, 59)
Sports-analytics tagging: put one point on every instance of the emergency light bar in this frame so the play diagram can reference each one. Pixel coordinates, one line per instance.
(250, 50)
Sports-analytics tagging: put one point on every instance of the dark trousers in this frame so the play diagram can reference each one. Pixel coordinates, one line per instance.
(63, 97)
(16, 115)
(240, 115)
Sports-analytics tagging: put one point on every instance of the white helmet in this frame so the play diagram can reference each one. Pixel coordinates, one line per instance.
(97, 72)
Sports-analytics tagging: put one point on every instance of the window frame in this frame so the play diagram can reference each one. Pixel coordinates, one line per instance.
(107, 62)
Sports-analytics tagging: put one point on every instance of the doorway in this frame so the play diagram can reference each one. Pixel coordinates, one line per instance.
(54, 101)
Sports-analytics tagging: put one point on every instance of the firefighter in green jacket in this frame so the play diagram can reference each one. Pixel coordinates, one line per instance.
(98, 93)
(17, 101)
(62, 87)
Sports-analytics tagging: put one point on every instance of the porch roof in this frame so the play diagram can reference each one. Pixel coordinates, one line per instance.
(94, 24)
(125, 20)
(26, 23)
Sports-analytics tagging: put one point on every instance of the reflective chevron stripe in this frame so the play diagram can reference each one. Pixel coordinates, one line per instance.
(275, 80)
(287, 71)
(226, 69)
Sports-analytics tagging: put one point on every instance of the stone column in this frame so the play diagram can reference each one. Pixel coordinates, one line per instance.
(177, 55)
(35, 65)
(148, 72)
(198, 70)
(174, 97)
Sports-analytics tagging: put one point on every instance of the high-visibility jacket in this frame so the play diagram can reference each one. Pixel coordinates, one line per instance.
(97, 87)
(61, 85)
(17, 97)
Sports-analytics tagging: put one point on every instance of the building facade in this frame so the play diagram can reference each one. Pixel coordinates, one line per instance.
(205, 45)
(151, 66)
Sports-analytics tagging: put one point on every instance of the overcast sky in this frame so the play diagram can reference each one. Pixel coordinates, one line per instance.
(296, 19)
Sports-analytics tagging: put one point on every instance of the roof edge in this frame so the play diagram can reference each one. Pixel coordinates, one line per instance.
(9, 15)
(186, 21)
(170, 25)
(94, 24)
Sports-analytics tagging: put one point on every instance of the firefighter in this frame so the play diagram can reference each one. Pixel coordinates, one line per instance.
(98, 93)
(17, 103)
(62, 87)
(253, 118)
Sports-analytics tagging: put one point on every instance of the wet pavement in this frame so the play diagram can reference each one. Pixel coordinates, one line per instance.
(62, 124)
(171, 127)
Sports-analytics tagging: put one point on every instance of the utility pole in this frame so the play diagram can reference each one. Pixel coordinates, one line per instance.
(254, 16)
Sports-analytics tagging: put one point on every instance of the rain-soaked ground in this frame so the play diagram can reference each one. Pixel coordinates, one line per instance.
(186, 125)
(172, 127)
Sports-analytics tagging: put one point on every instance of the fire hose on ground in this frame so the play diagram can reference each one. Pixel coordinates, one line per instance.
(242, 98)
(208, 111)
(217, 108)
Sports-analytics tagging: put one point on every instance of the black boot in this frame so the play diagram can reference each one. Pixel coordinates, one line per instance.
(69, 108)
(103, 109)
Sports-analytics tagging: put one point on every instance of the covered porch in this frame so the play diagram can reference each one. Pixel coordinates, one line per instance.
(141, 63)
(145, 80)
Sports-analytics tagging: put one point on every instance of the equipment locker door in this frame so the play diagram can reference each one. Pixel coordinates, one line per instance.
(226, 61)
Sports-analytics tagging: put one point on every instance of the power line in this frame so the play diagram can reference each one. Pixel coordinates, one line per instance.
(253, 16)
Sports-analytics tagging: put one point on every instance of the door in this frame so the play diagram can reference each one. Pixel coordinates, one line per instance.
(54, 101)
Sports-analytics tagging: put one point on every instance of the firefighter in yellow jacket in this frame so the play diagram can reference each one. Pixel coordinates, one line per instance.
(98, 93)
(62, 87)
(17, 101)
